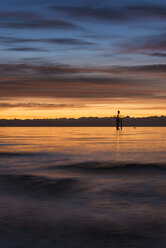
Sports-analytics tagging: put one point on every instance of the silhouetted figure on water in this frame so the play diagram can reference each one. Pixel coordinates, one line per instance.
(118, 121)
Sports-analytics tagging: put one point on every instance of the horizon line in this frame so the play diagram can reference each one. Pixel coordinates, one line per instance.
(86, 117)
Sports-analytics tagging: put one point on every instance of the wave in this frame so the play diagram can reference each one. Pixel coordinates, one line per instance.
(18, 154)
(94, 166)
(39, 186)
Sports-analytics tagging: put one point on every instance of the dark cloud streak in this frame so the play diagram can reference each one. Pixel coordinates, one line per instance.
(117, 14)
(40, 24)
(149, 11)
(59, 81)
(19, 15)
(32, 20)
(26, 49)
(107, 14)
(158, 54)
(144, 45)
(34, 105)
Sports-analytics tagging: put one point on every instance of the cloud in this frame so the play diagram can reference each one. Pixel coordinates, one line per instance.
(123, 13)
(73, 42)
(153, 68)
(19, 15)
(26, 49)
(149, 11)
(41, 24)
(145, 44)
(107, 13)
(38, 68)
(91, 74)
(34, 105)
(67, 41)
(159, 54)
(145, 108)
(15, 40)
(48, 69)
(103, 25)
(64, 81)
(32, 20)
(69, 90)
(114, 13)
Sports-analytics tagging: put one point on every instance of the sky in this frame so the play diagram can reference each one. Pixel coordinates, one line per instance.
(76, 58)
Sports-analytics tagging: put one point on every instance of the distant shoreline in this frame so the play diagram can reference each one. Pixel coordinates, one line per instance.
(153, 121)
(68, 126)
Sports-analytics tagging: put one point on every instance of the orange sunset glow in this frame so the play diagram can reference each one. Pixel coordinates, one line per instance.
(83, 124)
(90, 110)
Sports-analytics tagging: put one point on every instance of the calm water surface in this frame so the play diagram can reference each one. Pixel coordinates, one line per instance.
(57, 145)
(82, 187)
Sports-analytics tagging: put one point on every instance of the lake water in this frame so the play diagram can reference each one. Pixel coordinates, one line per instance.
(82, 187)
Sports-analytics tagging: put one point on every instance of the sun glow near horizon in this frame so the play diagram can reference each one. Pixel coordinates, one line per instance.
(91, 111)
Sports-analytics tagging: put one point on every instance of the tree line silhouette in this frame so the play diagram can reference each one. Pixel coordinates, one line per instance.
(85, 121)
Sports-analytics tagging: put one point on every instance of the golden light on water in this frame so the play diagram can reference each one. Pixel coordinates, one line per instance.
(89, 143)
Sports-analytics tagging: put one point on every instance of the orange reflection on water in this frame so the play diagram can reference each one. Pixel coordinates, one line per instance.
(144, 144)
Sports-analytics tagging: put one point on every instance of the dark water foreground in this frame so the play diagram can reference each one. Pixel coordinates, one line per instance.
(91, 204)
(56, 191)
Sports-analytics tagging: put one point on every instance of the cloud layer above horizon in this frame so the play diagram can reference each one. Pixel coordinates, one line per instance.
(74, 58)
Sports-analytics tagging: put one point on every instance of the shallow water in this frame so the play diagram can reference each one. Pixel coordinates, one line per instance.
(27, 148)
(82, 187)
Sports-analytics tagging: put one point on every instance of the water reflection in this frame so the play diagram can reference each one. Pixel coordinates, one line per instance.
(75, 144)
(118, 140)
(53, 195)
